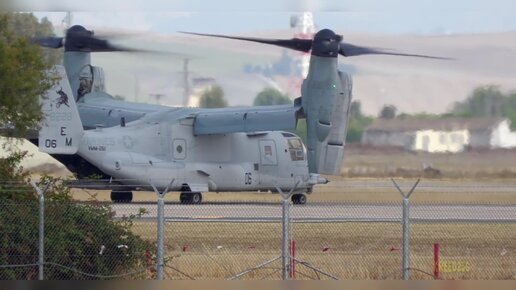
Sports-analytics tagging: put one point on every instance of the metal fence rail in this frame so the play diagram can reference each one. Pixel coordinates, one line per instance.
(413, 237)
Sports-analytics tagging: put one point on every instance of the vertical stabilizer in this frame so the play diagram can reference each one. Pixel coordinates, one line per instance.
(61, 128)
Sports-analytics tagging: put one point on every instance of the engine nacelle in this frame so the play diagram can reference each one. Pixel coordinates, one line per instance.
(331, 150)
(326, 99)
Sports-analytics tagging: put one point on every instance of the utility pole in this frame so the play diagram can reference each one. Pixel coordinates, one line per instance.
(158, 97)
(186, 82)
(67, 21)
(136, 87)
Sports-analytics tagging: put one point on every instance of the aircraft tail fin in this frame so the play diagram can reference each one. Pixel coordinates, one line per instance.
(61, 129)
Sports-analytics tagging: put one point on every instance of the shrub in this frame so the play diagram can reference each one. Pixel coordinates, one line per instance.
(83, 237)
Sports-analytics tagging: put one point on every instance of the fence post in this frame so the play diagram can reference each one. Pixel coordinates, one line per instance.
(293, 249)
(41, 227)
(436, 261)
(406, 223)
(406, 239)
(161, 229)
(285, 250)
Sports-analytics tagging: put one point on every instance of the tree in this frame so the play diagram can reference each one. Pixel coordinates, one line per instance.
(355, 111)
(24, 76)
(357, 122)
(300, 129)
(271, 96)
(388, 112)
(74, 232)
(213, 98)
(26, 25)
(84, 237)
(486, 101)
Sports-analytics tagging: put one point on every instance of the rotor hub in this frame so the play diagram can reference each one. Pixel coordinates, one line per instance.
(326, 43)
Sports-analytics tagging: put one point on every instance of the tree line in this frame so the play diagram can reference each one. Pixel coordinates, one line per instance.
(78, 231)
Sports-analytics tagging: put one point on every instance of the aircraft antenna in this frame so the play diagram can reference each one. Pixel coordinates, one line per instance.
(67, 21)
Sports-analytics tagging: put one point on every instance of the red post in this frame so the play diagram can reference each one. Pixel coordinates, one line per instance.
(148, 257)
(436, 261)
(292, 259)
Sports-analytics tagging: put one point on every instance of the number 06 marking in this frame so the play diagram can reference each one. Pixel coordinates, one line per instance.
(50, 143)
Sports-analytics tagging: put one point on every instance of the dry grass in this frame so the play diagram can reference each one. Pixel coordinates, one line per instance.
(355, 250)
(367, 161)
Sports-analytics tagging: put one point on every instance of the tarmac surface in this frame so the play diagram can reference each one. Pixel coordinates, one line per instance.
(323, 212)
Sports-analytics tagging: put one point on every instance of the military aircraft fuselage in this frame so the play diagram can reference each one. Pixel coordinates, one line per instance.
(168, 149)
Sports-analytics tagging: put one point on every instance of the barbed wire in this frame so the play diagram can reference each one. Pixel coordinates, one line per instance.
(97, 275)
(18, 266)
(424, 272)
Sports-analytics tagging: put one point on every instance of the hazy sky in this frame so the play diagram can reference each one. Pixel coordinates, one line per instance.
(227, 16)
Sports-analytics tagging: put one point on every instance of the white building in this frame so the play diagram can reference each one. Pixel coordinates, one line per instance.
(440, 135)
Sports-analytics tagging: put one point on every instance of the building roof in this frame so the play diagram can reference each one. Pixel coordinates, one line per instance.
(441, 124)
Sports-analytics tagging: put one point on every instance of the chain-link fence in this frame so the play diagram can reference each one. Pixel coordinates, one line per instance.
(352, 238)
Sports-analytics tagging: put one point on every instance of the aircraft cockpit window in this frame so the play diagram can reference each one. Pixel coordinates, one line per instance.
(85, 81)
(296, 149)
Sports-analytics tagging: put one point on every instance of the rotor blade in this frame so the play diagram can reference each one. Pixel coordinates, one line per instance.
(94, 44)
(348, 50)
(50, 42)
(298, 44)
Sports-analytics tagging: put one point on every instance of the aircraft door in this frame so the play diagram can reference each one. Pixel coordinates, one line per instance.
(268, 156)
(268, 161)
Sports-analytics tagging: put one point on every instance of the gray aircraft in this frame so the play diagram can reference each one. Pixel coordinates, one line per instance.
(96, 107)
(229, 149)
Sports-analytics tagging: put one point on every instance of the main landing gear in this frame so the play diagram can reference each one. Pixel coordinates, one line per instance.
(121, 196)
(298, 198)
(190, 197)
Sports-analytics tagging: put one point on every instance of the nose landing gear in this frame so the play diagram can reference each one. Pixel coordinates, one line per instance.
(298, 198)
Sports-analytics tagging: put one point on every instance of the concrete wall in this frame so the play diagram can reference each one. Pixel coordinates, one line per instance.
(502, 137)
(480, 139)
(440, 141)
(424, 140)
(382, 138)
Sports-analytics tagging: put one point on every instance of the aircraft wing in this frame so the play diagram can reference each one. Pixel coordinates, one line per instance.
(251, 119)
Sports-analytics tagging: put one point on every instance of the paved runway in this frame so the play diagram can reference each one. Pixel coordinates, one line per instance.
(325, 212)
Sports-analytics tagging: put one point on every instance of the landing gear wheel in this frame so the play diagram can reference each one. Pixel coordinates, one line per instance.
(183, 197)
(195, 197)
(121, 196)
(298, 198)
(190, 197)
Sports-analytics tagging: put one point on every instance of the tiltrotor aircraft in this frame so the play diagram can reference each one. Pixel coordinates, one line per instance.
(228, 149)
(96, 107)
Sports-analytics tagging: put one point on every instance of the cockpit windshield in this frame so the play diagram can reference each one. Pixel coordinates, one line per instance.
(296, 149)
